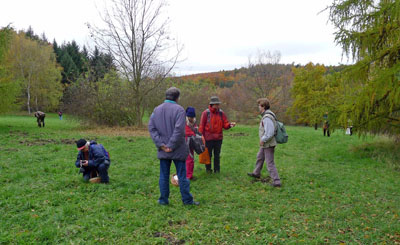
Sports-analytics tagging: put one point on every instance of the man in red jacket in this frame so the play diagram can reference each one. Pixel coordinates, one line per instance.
(212, 121)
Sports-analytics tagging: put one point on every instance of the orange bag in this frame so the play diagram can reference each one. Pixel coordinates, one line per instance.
(204, 158)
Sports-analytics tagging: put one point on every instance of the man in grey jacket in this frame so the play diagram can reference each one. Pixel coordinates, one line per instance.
(267, 129)
(167, 129)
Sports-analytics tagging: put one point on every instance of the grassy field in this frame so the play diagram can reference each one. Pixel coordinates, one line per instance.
(333, 191)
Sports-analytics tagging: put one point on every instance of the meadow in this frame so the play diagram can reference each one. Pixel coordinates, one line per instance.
(337, 190)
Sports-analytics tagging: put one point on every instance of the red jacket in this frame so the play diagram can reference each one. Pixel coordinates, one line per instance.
(188, 131)
(211, 127)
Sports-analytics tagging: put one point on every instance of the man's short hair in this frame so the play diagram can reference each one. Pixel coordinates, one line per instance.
(172, 94)
(264, 102)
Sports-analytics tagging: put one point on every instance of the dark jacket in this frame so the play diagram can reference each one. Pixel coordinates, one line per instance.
(167, 127)
(97, 155)
(211, 126)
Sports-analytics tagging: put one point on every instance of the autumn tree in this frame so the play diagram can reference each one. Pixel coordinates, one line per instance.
(9, 89)
(135, 34)
(369, 33)
(313, 93)
(265, 78)
(34, 64)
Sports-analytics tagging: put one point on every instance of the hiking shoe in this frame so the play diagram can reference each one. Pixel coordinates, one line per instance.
(253, 175)
(275, 184)
(193, 203)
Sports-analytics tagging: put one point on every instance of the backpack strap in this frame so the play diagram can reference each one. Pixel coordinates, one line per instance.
(275, 121)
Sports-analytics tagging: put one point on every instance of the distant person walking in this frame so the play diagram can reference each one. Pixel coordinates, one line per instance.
(266, 131)
(326, 125)
(212, 121)
(60, 114)
(167, 129)
(40, 117)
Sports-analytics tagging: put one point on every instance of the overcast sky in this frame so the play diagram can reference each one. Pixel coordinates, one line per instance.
(216, 34)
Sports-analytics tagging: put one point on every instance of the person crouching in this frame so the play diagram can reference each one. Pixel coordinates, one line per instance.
(93, 160)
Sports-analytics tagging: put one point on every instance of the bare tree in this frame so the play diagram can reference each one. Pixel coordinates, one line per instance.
(136, 34)
(268, 78)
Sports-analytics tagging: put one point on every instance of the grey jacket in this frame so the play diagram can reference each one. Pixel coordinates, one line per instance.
(267, 129)
(167, 127)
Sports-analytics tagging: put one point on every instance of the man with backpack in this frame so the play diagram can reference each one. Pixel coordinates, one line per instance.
(92, 160)
(212, 121)
(267, 130)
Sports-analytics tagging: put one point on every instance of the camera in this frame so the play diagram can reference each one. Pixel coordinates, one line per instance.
(82, 169)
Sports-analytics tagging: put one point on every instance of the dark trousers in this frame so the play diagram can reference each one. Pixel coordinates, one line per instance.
(91, 172)
(214, 146)
(40, 121)
(326, 131)
(184, 183)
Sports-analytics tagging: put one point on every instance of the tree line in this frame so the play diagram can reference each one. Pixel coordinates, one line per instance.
(366, 94)
(36, 74)
(125, 76)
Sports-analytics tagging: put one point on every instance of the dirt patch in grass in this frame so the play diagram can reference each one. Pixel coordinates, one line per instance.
(170, 238)
(18, 133)
(47, 141)
(118, 131)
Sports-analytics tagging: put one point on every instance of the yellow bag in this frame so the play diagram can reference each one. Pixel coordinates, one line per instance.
(204, 158)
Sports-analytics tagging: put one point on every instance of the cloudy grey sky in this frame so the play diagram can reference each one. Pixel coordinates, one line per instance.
(216, 34)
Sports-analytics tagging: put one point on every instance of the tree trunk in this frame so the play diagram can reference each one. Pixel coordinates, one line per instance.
(29, 98)
(138, 113)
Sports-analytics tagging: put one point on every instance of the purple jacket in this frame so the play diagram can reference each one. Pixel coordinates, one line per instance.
(167, 127)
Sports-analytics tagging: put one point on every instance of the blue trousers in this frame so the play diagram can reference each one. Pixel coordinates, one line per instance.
(184, 183)
(102, 169)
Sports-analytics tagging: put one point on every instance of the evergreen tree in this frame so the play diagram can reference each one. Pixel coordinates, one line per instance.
(369, 33)
(70, 71)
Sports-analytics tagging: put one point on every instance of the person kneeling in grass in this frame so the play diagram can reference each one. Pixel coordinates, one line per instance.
(92, 160)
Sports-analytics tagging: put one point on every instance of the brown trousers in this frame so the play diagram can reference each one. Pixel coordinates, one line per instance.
(267, 154)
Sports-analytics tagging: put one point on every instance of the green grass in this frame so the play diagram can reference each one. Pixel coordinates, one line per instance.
(333, 191)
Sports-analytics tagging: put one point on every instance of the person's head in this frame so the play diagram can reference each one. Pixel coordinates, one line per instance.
(191, 114)
(215, 102)
(263, 104)
(172, 94)
(82, 145)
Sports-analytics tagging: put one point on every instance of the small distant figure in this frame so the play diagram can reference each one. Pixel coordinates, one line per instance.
(60, 114)
(349, 130)
(40, 117)
(326, 125)
(92, 160)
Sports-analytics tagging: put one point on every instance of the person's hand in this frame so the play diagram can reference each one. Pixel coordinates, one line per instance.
(261, 143)
(85, 163)
(165, 149)
(233, 124)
